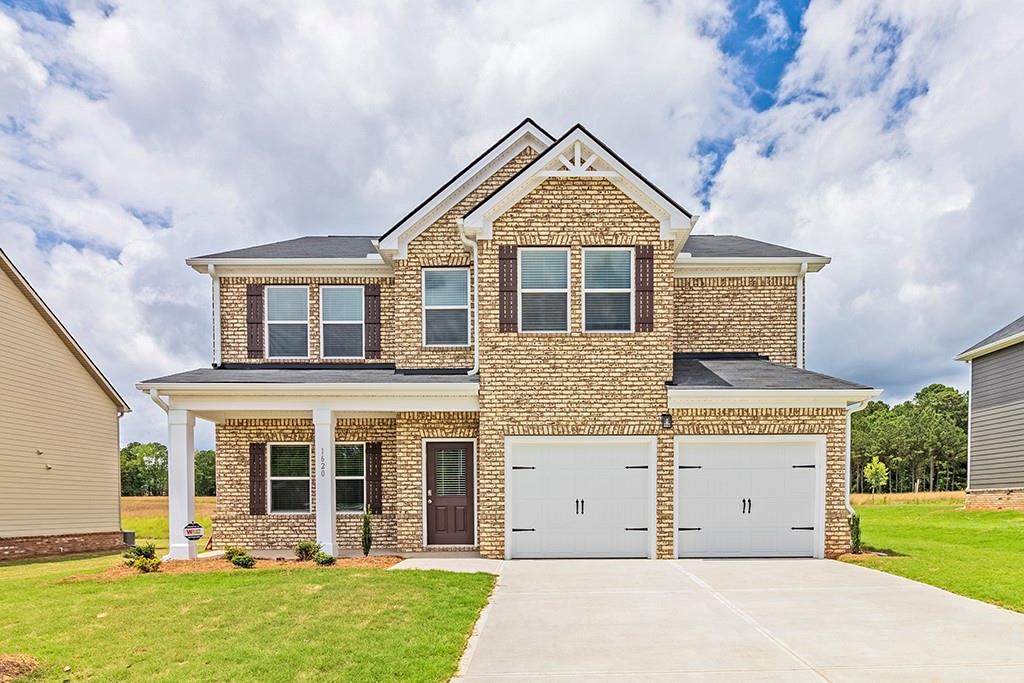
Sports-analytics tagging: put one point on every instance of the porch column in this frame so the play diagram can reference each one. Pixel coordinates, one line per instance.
(181, 482)
(323, 448)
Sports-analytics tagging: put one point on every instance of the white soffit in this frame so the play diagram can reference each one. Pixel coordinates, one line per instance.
(578, 154)
(527, 135)
(738, 266)
(768, 398)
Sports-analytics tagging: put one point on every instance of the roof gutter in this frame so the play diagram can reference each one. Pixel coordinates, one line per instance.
(850, 410)
(154, 395)
(471, 245)
(997, 345)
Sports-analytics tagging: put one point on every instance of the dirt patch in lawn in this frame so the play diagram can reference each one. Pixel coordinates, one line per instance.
(122, 571)
(13, 667)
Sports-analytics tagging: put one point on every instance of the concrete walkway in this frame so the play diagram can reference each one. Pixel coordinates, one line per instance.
(735, 620)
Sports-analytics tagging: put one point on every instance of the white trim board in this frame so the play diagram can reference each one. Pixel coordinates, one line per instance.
(768, 398)
(997, 345)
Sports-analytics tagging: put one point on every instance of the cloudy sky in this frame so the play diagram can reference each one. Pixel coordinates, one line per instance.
(888, 135)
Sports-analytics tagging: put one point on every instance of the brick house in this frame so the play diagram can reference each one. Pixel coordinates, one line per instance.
(537, 361)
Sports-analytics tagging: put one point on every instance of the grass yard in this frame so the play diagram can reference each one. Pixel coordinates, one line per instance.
(977, 554)
(147, 517)
(271, 625)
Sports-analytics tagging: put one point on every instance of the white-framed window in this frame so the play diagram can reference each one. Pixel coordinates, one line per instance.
(608, 289)
(446, 306)
(288, 483)
(287, 317)
(341, 321)
(543, 289)
(350, 477)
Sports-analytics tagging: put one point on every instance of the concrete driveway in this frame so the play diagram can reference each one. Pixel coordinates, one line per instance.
(735, 620)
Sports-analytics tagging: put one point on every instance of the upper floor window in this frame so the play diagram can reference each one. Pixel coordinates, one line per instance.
(341, 320)
(289, 477)
(287, 321)
(446, 306)
(543, 289)
(350, 477)
(607, 289)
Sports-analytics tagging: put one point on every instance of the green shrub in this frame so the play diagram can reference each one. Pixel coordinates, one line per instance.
(323, 559)
(855, 532)
(245, 561)
(233, 551)
(147, 564)
(367, 533)
(139, 552)
(305, 550)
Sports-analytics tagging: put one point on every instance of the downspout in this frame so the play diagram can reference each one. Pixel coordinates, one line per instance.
(850, 410)
(800, 315)
(471, 245)
(212, 270)
(155, 396)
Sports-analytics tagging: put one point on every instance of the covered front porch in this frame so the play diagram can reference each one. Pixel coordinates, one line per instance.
(298, 460)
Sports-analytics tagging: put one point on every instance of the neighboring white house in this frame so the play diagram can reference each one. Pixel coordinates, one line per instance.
(60, 488)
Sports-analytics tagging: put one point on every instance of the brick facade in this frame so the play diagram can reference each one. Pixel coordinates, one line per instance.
(753, 313)
(233, 320)
(19, 547)
(995, 499)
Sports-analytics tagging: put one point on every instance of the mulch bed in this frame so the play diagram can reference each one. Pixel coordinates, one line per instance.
(122, 571)
(13, 667)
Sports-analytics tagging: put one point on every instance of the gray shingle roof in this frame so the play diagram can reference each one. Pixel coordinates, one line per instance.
(328, 246)
(307, 376)
(734, 246)
(1016, 327)
(747, 371)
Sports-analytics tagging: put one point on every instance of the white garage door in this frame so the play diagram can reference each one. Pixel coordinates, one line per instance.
(584, 497)
(749, 497)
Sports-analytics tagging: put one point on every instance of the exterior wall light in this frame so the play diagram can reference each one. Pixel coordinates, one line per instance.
(666, 420)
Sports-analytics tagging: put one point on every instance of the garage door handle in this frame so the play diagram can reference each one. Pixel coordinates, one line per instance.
(636, 467)
(744, 510)
(689, 467)
(750, 505)
(523, 529)
(689, 528)
(636, 528)
(583, 507)
(802, 528)
(577, 506)
(803, 467)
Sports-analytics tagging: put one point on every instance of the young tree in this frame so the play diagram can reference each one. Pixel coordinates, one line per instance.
(206, 484)
(144, 469)
(876, 474)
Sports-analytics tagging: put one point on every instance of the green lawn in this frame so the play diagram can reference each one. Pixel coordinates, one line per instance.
(978, 554)
(270, 625)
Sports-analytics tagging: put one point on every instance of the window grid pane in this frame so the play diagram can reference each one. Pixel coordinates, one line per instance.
(343, 340)
(547, 269)
(446, 287)
(447, 327)
(348, 460)
(342, 304)
(608, 269)
(289, 460)
(287, 303)
(450, 473)
(289, 495)
(607, 311)
(544, 312)
(348, 495)
(288, 339)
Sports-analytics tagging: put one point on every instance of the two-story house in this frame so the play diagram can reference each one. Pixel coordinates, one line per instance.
(537, 361)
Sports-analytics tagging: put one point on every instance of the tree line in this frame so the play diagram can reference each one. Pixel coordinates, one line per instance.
(922, 442)
(144, 470)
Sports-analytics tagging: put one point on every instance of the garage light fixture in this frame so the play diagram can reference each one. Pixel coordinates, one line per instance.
(666, 420)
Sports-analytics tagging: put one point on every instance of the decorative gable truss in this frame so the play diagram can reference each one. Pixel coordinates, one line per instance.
(578, 154)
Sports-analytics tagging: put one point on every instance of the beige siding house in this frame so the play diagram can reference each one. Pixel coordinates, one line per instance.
(539, 360)
(58, 433)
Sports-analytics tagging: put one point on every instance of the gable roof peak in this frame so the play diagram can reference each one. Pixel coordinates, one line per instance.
(579, 153)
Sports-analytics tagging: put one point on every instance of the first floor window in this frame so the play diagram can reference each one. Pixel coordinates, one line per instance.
(289, 477)
(543, 290)
(341, 312)
(446, 306)
(350, 477)
(607, 290)
(287, 321)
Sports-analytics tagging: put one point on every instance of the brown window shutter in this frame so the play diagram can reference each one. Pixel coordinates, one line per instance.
(257, 479)
(254, 320)
(644, 281)
(508, 289)
(374, 487)
(371, 319)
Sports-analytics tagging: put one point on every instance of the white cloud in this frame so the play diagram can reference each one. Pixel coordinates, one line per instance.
(919, 207)
(239, 124)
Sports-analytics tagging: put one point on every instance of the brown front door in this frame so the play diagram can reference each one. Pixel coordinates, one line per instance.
(450, 493)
